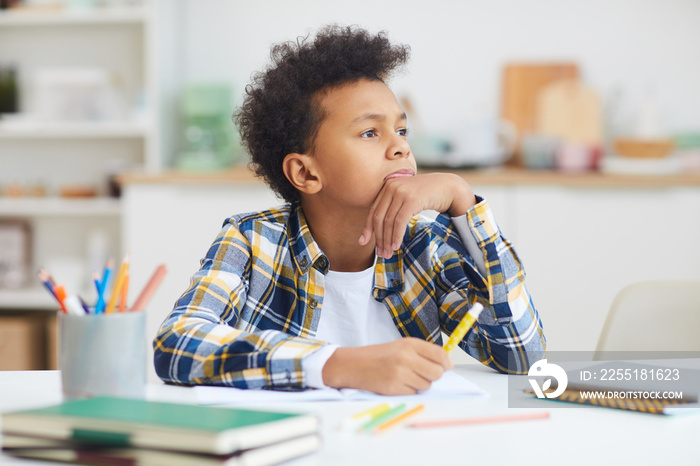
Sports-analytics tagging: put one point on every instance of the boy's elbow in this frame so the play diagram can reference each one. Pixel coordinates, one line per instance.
(164, 360)
(517, 361)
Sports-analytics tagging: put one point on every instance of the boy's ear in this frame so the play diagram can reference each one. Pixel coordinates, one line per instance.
(300, 171)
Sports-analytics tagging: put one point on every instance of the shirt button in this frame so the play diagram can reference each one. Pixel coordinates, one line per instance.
(313, 304)
(304, 262)
(395, 282)
(323, 262)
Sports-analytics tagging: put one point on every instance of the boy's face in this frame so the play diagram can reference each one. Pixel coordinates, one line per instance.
(361, 143)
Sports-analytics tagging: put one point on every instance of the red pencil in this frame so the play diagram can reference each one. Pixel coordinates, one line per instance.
(149, 289)
(480, 420)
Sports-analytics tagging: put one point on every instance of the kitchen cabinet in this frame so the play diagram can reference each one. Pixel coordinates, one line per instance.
(581, 237)
(68, 235)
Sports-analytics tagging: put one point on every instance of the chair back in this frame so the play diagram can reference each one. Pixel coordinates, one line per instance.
(654, 316)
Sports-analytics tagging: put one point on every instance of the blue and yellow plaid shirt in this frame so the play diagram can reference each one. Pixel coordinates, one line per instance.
(251, 312)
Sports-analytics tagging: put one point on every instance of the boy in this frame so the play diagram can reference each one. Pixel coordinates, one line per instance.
(345, 286)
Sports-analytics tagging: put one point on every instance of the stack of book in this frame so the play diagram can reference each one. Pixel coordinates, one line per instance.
(108, 431)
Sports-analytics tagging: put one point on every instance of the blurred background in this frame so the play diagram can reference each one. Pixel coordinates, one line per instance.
(578, 121)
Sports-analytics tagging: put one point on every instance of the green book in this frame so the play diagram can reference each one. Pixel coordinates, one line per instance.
(122, 422)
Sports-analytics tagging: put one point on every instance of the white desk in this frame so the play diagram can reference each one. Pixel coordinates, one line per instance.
(571, 436)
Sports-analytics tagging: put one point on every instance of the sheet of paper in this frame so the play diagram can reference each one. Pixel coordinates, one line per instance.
(450, 385)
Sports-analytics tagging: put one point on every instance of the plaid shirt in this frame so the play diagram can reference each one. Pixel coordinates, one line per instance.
(251, 312)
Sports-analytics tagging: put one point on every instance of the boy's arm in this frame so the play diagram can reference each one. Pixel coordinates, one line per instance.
(197, 343)
(510, 324)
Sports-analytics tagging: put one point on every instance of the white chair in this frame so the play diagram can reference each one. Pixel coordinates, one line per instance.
(654, 316)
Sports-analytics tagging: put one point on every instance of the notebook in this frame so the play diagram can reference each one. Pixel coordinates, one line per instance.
(139, 423)
(77, 452)
(450, 385)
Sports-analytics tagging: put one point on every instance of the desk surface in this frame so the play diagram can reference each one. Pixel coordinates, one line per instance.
(571, 436)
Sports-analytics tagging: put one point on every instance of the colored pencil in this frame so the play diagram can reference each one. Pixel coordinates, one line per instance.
(50, 285)
(480, 420)
(363, 417)
(86, 308)
(106, 274)
(372, 411)
(118, 284)
(61, 296)
(125, 291)
(96, 281)
(149, 289)
(382, 418)
(463, 327)
(398, 419)
(45, 279)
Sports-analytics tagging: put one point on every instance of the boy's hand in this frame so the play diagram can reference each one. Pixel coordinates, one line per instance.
(402, 198)
(401, 367)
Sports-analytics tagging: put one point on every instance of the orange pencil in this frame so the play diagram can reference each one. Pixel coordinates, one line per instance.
(61, 296)
(399, 418)
(118, 284)
(125, 291)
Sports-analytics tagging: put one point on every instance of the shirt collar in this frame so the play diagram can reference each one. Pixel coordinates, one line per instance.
(388, 273)
(305, 251)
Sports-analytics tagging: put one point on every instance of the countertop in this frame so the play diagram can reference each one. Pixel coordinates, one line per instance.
(493, 176)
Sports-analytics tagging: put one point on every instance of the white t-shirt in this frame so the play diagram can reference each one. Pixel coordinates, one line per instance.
(351, 317)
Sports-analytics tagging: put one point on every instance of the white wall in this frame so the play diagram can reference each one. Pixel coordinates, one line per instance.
(459, 47)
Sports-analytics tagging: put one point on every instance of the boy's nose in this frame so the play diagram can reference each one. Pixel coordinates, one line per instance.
(399, 148)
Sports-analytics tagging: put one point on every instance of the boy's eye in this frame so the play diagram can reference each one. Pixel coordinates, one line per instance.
(402, 132)
(369, 134)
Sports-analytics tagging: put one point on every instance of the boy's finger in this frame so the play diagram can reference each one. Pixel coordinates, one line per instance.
(437, 354)
(378, 217)
(400, 224)
(368, 230)
(428, 369)
(366, 234)
(390, 226)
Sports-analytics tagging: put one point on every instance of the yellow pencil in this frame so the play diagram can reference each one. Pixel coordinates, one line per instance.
(399, 418)
(118, 284)
(125, 291)
(364, 417)
(373, 411)
(464, 325)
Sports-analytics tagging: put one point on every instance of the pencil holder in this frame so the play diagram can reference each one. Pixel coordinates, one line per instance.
(103, 354)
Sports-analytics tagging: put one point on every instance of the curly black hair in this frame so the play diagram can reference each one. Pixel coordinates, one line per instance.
(281, 112)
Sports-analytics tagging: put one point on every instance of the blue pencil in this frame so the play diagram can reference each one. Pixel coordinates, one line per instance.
(46, 281)
(100, 305)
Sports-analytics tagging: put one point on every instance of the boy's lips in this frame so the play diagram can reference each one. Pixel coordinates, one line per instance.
(400, 174)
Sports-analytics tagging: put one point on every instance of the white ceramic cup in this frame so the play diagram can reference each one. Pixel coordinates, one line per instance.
(483, 141)
(103, 354)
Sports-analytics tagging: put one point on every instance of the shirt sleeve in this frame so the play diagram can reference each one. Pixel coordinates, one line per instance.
(462, 226)
(508, 335)
(200, 342)
(313, 366)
